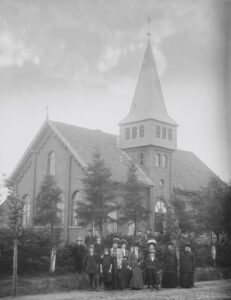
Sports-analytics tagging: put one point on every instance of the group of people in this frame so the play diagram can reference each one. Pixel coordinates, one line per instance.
(117, 267)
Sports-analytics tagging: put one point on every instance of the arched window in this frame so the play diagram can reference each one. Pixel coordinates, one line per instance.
(131, 228)
(112, 226)
(141, 158)
(161, 182)
(51, 163)
(26, 210)
(157, 160)
(160, 212)
(60, 209)
(76, 197)
(164, 161)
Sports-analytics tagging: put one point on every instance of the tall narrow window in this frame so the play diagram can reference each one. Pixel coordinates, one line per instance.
(158, 131)
(157, 160)
(26, 211)
(169, 134)
(76, 197)
(51, 163)
(164, 161)
(112, 226)
(160, 212)
(164, 133)
(131, 228)
(141, 130)
(60, 210)
(127, 133)
(161, 182)
(134, 132)
(141, 158)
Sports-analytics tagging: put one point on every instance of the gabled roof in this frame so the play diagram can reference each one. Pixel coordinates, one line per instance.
(189, 172)
(84, 142)
(148, 101)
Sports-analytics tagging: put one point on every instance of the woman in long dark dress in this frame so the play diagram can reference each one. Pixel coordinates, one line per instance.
(135, 261)
(116, 256)
(187, 267)
(125, 272)
(169, 279)
(79, 252)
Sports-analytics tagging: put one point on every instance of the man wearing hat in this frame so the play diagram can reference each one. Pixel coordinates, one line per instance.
(117, 259)
(125, 272)
(91, 264)
(79, 252)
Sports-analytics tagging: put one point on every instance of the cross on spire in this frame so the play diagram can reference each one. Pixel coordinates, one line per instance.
(47, 112)
(149, 21)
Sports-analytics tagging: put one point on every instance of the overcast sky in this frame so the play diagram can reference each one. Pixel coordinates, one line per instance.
(82, 59)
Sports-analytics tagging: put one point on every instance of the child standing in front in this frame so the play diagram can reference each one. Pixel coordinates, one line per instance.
(91, 267)
(106, 269)
(153, 268)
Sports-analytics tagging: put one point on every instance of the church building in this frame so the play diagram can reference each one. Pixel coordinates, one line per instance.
(148, 137)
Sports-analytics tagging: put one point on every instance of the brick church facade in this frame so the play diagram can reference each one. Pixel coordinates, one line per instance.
(148, 137)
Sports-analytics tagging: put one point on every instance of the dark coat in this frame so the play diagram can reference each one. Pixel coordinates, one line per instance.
(79, 252)
(91, 263)
(106, 266)
(187, 263)
(169, 279)
(89, 240)
(187, 267)
(170, 262)
(98, 250)
(153, 264)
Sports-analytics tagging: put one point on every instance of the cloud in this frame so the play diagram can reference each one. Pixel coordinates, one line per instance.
(14, 53)
(109, 58)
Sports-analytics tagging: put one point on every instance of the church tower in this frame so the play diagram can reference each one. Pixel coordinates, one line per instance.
(149, 136)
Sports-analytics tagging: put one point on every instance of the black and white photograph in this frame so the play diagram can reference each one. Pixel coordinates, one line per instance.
(115, 153)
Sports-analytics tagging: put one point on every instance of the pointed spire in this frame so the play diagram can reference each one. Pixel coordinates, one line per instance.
(148, 101)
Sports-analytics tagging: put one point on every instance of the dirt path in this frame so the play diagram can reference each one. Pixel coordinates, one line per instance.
(209, 290)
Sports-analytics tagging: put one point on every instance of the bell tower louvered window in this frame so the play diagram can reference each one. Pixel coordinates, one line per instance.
(141, 130)
(158, 131)
(127, 133)
(134, 132)
(164, 131)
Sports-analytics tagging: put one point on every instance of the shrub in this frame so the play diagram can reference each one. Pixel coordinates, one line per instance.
(223, 254)
(6, 252)
(65, 259)
(33, 251)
